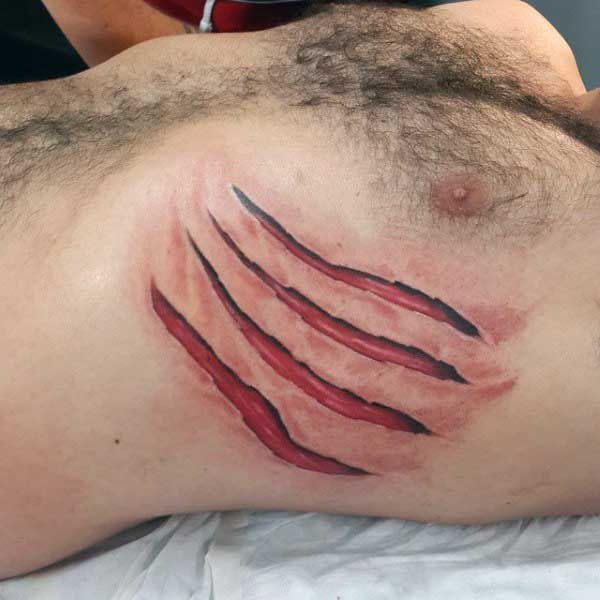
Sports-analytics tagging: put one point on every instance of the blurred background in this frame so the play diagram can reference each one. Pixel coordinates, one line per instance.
(33, 48)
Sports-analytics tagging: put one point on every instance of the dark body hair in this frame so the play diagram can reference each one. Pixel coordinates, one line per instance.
(426, 96)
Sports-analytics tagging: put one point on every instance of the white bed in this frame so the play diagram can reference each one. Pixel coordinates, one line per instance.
(291, 556)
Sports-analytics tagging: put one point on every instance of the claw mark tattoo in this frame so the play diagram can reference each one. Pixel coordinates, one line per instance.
(281, 360)
(371, 346)
(258, 413)
(394, 292)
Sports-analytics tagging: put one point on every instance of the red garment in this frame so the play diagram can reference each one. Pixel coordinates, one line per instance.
(233, 15)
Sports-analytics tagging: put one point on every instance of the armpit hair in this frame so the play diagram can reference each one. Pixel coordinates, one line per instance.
(418, 94)
(66, 131)
(431, 97)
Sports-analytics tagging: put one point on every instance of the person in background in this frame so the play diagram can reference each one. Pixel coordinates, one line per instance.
(99, 30)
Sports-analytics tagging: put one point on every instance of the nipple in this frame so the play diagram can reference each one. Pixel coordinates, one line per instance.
(459, 195)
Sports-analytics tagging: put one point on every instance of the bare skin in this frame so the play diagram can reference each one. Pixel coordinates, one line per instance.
(105, 385)
(101, 29)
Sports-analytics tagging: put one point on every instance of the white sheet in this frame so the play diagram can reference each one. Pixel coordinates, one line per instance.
(283, 556)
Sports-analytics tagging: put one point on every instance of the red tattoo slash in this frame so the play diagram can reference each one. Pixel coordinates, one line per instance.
(375, 347)
(281, 360)
(258, 413)
(394, 292)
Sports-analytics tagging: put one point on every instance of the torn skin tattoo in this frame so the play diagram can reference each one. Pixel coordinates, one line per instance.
(258, 413)
(281, 360)
(394, 292)
(375, 347)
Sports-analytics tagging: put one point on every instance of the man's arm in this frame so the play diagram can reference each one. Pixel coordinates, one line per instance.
(99, 30)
